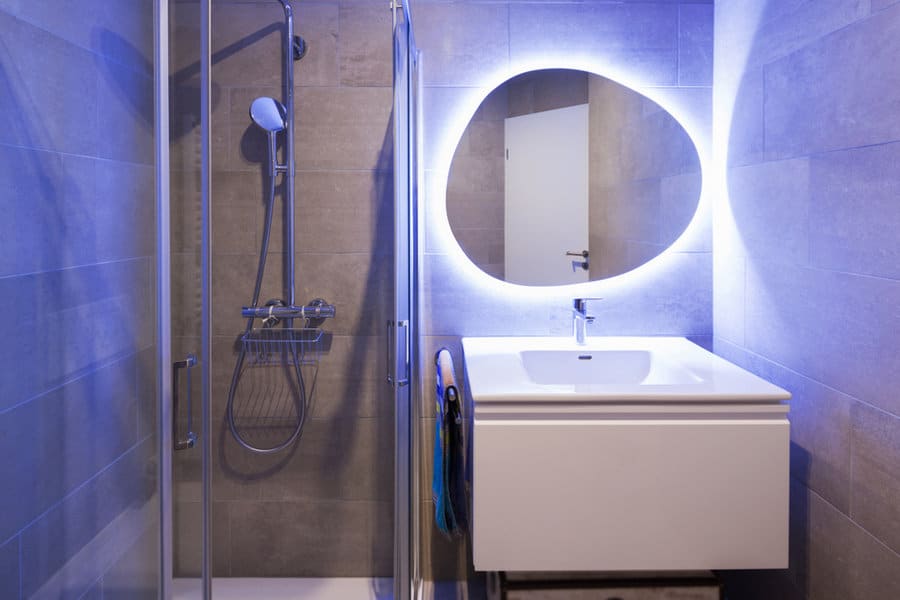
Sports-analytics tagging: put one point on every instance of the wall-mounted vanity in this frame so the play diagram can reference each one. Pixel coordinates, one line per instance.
(623, 454)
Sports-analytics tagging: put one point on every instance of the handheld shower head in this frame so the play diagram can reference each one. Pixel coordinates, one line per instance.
(269, 114)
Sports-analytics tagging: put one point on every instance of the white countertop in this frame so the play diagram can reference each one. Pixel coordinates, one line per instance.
(607, 370)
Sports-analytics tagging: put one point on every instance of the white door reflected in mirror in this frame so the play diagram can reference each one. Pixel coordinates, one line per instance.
(546, 207)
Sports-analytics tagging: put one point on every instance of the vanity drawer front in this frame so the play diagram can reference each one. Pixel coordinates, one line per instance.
(630, 494)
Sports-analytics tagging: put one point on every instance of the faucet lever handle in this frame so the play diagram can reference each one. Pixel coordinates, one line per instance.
(580, 304)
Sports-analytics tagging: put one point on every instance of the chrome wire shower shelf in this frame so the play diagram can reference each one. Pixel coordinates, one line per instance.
(317, 309)
(273, 346)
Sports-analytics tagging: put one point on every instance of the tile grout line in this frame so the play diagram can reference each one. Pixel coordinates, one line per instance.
(78, 376)
(79, 487)
(92, 51)
(101, 263)
(875, 538)
(74, 154)
(797, 373)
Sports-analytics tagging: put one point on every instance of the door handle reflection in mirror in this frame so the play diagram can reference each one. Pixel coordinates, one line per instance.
(582, 254)
(579, 264)
(191, 439)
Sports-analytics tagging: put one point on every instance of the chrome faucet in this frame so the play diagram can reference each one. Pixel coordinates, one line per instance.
(580, 319)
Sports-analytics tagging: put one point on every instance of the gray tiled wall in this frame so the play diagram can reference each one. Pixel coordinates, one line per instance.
(468, 47)
(644, 178)
(77, 283)
(806, 272)
(325, 507)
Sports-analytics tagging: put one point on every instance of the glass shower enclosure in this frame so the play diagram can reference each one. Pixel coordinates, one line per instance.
(287, 299)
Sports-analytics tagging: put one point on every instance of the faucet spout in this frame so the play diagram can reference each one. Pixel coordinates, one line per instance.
(580, 319)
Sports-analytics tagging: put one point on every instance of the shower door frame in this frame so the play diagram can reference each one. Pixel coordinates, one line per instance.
(161, 77)
(403, 325)
(163, 291)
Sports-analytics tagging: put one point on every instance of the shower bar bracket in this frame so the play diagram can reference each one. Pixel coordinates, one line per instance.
(310, 311)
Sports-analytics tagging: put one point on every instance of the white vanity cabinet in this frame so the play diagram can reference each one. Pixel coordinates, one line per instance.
(592, 477)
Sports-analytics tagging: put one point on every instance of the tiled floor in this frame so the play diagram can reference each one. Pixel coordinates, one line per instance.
(337, 588)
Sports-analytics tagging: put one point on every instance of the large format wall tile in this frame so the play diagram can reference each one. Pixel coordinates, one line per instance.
(134, 575)
(125, 114)
(344, 128)
(71, 449)
(855, 218)
(365, 49)
(695, 44)
(119, 31)
(56, 111)
(267, 538)
(335, 459)
(800, 91)
(834, 558)
(746, 129)
(58, 324)
(345, 212)
(9, 569)
(876, 473)
(833, 327)
(67, 211)
(52, 211)
(639, 39)
(480, 47)
(771, 201)
(76, 541)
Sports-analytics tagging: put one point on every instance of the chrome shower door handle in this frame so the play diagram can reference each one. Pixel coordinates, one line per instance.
(402, 362)
(389, 354)
(397, 361)
(191, 439)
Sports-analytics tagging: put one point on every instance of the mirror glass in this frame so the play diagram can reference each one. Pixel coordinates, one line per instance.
(565, 176)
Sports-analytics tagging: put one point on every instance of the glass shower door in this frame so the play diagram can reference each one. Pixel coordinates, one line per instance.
(402, 327)
(186, 163)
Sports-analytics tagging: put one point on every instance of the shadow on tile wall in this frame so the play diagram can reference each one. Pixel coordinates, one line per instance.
(806, 272)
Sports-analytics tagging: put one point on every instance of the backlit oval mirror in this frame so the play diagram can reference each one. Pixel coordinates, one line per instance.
(564, 176)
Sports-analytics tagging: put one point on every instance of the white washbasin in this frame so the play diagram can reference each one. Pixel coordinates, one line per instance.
(603, 367)
(623, 369)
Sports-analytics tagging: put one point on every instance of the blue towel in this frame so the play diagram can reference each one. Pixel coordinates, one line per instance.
(448, 479)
